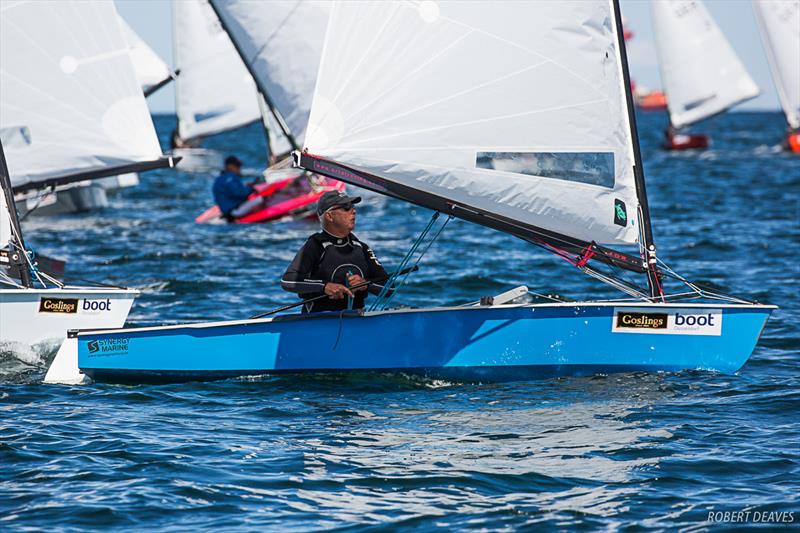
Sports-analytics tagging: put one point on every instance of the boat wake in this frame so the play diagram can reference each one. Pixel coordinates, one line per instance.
(19, 361)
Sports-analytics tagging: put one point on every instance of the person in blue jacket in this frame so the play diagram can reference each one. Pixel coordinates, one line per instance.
(230, 193)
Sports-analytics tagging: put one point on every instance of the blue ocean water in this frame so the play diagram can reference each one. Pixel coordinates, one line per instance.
(391, 452)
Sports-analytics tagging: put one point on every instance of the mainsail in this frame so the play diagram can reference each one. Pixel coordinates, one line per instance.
(55, 125)
(151, 71)
(214, 92)
(701, 73)
(476, 109)
(281, 44)
(779, 22)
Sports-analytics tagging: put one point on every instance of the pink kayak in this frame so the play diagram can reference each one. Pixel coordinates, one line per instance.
(292, 195)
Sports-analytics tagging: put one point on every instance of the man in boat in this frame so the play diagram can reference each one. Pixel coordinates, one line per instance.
(230, 194)
(334, 260)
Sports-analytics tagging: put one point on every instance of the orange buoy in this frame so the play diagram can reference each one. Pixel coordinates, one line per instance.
(793, 141)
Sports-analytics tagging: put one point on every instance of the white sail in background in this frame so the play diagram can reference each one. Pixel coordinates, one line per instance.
(779, 22)
(149, 67)
(5, 222)
(214, 92)
(282, 42)
(69, 98)
(701, 73)
(484, 107)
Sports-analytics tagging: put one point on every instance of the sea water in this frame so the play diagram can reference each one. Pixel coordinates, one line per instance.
(686, 450)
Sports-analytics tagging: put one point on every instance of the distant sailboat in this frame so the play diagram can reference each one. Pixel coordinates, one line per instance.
(701, 73)
(779, 23)
(280, 43)
(70, 109)
(539, 142)
(89, 195)
(214, 92)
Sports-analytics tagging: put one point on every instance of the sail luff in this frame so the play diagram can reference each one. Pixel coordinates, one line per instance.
(647, 241)
(17, 240)
(261, 89)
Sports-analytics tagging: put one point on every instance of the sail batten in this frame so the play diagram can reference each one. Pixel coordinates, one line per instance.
(478, 106)
(700, 71)
(779, 25)
(53, 118)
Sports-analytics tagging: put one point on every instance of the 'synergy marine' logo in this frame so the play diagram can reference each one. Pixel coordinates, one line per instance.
(103, 347)
(642, 320)
(58, 305)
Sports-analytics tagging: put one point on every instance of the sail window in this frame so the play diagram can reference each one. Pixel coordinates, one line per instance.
(593, 168)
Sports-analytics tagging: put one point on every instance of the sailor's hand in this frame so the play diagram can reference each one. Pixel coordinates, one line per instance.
(337, 291)
(355, 279)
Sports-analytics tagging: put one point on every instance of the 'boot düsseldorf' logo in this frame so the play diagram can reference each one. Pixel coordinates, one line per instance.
(670, 321)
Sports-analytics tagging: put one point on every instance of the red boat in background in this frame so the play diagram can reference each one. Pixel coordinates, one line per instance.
(684, 141)
(289, 194)
(650, 100)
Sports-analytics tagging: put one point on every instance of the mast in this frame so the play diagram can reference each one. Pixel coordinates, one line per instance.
(16, 230)
(261, 89)
(638, 169)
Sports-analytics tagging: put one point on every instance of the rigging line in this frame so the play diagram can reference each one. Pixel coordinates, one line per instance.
(419, 258)
(39, 201)
(404, 262)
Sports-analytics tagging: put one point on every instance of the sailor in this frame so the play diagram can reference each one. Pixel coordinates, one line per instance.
(230, 193)
(333, 260)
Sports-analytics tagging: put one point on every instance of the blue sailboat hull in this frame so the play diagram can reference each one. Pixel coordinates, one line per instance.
(471, 343)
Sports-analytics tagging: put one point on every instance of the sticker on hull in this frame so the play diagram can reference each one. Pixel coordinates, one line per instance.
(674, 321)
(58, 305)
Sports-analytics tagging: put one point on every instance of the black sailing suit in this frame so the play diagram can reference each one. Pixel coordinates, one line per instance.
(325, 258)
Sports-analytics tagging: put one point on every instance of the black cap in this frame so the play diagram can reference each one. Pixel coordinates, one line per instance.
(333, 199)
(232, 160)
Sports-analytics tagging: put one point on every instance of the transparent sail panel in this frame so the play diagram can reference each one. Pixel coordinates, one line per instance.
(589, 168)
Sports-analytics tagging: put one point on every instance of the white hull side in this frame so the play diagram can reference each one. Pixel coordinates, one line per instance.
(75, 198)
(23, 323)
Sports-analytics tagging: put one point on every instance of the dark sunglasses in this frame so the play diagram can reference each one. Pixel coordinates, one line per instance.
(344, 208)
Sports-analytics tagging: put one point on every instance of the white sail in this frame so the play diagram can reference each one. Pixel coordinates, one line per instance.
(150, 68)
(515, 108)
(214, 92)
(69, 99)
(700, 71)
(5, 222)
(282, 42)
(779, 22)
